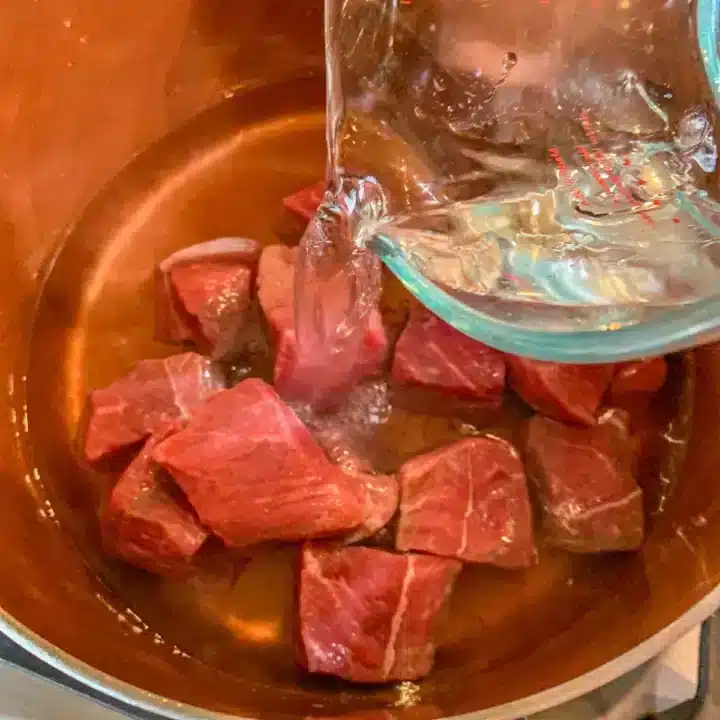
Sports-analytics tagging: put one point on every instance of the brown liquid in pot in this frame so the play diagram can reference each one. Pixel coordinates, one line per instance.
(95, 321)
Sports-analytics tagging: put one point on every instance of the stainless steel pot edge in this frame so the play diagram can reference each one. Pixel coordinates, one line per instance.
(553, 697)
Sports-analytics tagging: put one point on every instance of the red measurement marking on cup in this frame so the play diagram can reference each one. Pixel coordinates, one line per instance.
(598, 157)
(576, 195)
(592, 167)
(605, 166)
(600, 169)
(560, 164)
(588, 128)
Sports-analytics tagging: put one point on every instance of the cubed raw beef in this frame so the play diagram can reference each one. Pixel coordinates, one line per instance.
(639, 378)
(345, 435)
(147, 521)
(590, 499)
(380, 501)
(253, 472)
(569, 393)
(636, 428)
(369, 616)
(344, 443)
(306, 201)
(470, 501)
(154, 392)
(203, 293)
(276, 278)
(430, 353)
(618, 421)
(309, 377)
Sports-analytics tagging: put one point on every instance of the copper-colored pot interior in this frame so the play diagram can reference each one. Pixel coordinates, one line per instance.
(228, 97)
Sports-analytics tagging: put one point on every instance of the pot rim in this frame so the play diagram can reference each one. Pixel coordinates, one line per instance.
(544, 700)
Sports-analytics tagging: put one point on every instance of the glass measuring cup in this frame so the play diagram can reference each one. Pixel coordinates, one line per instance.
(542, 174)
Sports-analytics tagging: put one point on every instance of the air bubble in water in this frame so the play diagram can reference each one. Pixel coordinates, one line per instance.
(509, 61)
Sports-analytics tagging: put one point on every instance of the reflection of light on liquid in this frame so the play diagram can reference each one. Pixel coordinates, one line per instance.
(256, 631)
(408, 695)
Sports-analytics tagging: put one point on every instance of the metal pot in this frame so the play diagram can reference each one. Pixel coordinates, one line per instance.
(229, 99)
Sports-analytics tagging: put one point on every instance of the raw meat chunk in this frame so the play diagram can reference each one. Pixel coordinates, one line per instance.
(147, 521)
(618, 421)
(470, 501)
(569, 393)
(203, 293)
(433, 354)
(635, 430)
(367, 615)
(309, 377)
(343, 444)
(633, 389)
(584, 476)
(381, 496)
(154, 392)
(306, 201)
(276, 276)
(642, 377)
(253, 472)
(344, 435)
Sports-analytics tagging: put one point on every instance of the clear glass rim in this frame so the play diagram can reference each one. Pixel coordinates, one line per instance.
(676, 330)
